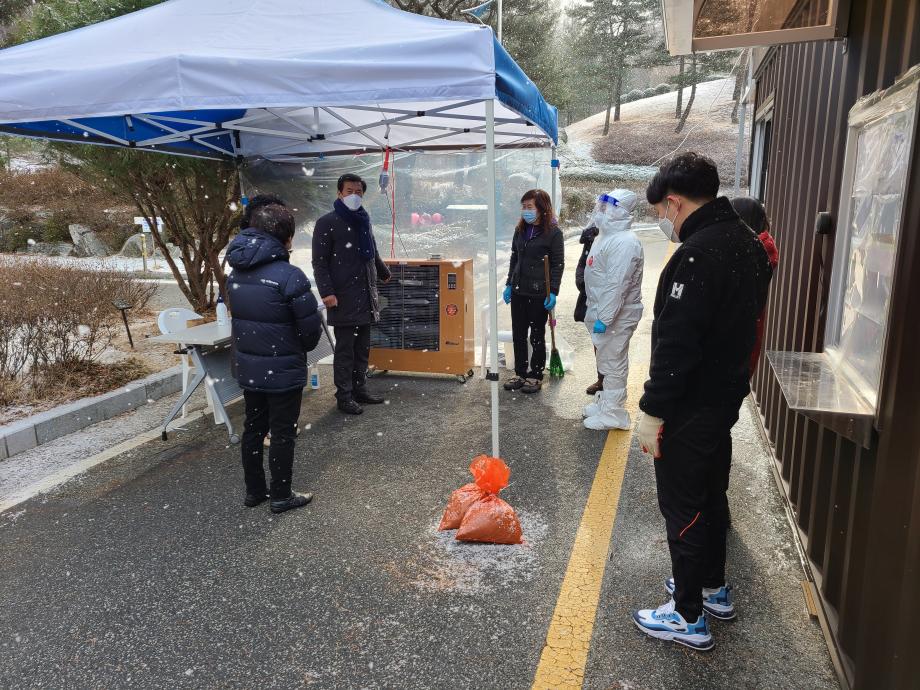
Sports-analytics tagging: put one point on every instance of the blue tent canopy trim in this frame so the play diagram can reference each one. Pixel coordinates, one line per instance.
(197, 133)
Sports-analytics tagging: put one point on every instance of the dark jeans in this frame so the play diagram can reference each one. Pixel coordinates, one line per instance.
(692, 478)
(352, 349)
(528, 317)
(278, 413)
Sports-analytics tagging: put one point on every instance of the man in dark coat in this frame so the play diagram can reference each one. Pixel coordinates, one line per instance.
(587, 238)
(346, 266)
(275, 323)
(709, 297)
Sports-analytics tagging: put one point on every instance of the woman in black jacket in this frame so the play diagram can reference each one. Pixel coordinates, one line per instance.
(536, 236)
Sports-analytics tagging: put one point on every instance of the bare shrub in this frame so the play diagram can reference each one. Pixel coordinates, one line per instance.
(68, 199)
(56, 314)
(58, 381)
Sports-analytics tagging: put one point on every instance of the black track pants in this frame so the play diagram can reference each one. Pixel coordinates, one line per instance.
(692, 479)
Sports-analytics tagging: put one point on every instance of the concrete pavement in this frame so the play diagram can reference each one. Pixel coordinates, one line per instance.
(147, 571)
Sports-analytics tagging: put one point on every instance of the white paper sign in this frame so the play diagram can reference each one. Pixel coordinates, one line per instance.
(145, 226)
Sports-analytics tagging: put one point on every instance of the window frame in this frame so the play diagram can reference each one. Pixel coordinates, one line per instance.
(760, 151)
(867, 111)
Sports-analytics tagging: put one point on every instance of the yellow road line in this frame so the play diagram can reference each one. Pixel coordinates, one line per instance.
(568, 640)
(562, 664)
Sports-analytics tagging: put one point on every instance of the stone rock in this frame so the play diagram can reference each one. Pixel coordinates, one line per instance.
(86, 242)
(51, 248)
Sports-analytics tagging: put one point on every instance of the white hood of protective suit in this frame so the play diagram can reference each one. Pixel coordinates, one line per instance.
(613, 275)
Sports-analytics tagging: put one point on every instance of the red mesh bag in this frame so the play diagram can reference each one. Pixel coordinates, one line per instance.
(490, 520)
(460, 501)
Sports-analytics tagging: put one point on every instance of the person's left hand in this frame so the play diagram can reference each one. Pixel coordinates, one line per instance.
(649, 432)
(550, 302)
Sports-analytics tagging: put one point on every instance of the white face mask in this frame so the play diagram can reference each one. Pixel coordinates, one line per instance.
(353, 201)
(667, 226)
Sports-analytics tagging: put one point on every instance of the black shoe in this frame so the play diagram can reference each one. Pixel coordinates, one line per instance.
(350, 407)
(295, 500)
(366, 398)
(252, 500)
(514, 384)
(531, 386)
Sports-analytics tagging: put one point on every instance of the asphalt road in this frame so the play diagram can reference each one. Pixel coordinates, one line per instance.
(148, 572)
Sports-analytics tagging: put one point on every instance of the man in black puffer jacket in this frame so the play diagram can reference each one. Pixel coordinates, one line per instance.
(275, 324)
(710, 294)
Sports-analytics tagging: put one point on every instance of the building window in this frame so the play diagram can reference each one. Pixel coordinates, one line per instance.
(760, 158)
(879, 151)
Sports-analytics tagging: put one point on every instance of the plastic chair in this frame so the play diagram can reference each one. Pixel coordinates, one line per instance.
(172, 320)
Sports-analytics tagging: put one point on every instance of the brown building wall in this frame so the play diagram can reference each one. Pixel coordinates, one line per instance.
(857, 509)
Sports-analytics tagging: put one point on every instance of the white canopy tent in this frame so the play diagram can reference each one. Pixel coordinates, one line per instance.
(281, 80)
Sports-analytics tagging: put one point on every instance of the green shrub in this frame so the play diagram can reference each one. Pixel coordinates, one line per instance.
(663, 88)
(633, 95)
(55, 228)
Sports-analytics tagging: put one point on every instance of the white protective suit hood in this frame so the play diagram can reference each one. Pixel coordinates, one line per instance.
(613, 211)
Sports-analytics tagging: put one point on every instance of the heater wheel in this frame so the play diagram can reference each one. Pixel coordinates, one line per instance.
(463, 378)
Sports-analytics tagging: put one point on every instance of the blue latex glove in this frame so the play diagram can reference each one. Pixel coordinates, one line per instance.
(550, 302)
(506, 295)
(600, 326)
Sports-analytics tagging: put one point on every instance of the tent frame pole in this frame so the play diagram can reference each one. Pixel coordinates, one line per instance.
(493, 272)
(552, 174)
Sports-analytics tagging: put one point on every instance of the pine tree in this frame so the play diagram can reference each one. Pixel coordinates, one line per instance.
(611, 34)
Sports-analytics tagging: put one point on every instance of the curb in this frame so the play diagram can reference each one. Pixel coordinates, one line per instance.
(34, 431)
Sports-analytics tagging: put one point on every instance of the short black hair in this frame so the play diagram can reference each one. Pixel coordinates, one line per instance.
(690, 174)
(351, 177)
(752, 212)
(276, 220)
(255, 202)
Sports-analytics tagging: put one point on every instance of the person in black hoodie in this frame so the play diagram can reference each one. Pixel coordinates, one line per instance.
(536, 236)
(709, 297)
(347, 265)
(588, 235)
(274, 323)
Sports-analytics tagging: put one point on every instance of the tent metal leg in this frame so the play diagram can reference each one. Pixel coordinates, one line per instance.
(493, 270)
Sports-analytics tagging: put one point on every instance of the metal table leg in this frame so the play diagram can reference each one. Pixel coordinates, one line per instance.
(200, 376)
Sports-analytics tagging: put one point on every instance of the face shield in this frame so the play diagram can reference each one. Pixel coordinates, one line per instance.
(609, 209)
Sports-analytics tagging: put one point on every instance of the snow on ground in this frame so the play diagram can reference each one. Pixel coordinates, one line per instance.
(467, 568)
(655, 108)
(19, 473)
(95, 263)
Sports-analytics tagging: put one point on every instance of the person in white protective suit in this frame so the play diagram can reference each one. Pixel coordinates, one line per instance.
(613, 282)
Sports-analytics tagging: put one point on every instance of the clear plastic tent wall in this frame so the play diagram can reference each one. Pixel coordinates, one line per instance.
(441, 201)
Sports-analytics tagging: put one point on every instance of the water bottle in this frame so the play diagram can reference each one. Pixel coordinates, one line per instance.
(314, 378)
(222, 319)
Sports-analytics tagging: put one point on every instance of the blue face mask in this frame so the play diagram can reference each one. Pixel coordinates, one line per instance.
(529, 215)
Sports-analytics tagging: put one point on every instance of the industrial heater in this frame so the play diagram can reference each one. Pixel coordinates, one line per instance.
(426, 318)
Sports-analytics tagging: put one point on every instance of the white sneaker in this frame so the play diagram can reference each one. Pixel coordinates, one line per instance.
(665, 623)
(718, 603)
